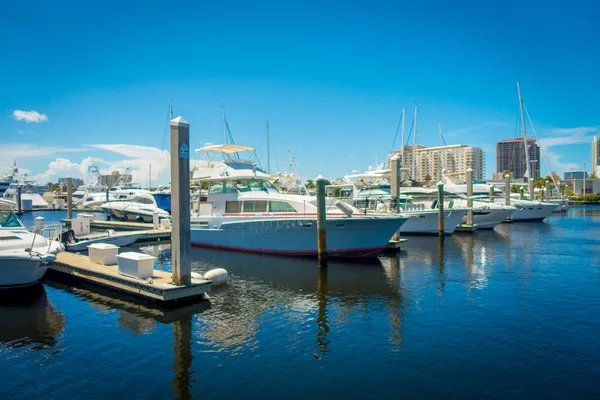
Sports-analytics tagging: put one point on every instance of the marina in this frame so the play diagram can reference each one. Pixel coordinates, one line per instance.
(210, 200)
(473, 304)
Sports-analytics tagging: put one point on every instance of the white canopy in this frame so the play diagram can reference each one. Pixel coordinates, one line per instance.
(226, 148)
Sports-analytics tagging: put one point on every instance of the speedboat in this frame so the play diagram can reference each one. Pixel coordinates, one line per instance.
(141, 208)
(245, 212)
(24, 255)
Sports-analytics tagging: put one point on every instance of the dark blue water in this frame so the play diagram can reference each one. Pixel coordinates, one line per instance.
(510, 313)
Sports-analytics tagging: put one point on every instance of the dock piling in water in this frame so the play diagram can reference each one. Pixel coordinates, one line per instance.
(69, 197)
(180, 202)
(440, 186)
(19, 202)
(507, 189)
(530, 188)
(321, 222)
(469, 196)
(395, 182)
(548, 190)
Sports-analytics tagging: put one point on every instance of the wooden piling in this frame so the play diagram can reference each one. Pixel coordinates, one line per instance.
(440, 186)
(69, 198)
(19, 202)
(469, 197)
(107, 200)
(180, 202)
(321, 222)
(507, 189)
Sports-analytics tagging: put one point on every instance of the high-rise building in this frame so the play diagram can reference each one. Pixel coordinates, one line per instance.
(510, 156)
(595, 153)
(431, 160)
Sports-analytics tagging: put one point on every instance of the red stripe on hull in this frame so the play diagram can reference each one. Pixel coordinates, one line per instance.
(367, 252)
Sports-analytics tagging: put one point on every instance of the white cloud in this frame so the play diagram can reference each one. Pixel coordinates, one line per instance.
(566, 136)
(29, 116)
(139, 159)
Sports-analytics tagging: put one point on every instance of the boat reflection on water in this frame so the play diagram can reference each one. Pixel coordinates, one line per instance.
(30, 320)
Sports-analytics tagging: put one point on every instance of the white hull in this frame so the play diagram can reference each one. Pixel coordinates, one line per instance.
(426, 222)
(530, 210)
(19, 269)
(362, 236)
(488, 219)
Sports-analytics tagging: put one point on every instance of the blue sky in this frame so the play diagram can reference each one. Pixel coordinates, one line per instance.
(331, 79)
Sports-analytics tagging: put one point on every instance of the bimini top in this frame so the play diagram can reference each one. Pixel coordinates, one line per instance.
(226, 148)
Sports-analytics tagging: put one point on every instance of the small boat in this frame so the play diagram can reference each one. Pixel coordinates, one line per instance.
(141, 208)
(109, 236)
(24, 255)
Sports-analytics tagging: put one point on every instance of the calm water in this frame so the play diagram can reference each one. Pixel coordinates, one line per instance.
(511, 313)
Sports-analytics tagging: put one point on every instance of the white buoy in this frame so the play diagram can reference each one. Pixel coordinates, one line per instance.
(218, 276)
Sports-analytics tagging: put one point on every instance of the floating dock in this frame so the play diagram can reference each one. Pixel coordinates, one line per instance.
(466, 228)
(394, 245)
(159, 288)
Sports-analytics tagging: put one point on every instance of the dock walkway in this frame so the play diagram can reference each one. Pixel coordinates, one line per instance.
(159, 287)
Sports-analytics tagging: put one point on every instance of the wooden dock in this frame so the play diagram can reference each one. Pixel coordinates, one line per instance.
(394, 245)
(159, 288)
(466, 228)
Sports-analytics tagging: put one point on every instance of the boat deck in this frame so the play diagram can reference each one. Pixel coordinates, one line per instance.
(120, 225)
(159, 288)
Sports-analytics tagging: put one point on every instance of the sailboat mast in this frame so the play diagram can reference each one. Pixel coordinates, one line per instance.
(443, 148)
(224, 125)
(150, 178)
(171, 109)
(402, 145)
(268, 151)
(527, 162)
(414, 170)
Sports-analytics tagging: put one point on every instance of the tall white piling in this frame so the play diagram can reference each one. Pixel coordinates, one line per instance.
(180, 202)
(19, 200)
(530, 188)
(469, 196)
(69, 197)
(321, 222)
(507, 189)
(548, 192)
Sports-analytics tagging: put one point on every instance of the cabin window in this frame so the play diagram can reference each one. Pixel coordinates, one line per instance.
(280, 207)
(233, 207)
(255, 206)
(221, 187)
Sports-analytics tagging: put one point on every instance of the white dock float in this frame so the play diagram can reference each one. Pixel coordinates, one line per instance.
(158, 288)
(394, 245)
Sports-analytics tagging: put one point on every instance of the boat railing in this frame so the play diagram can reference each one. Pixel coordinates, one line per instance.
(49, 232)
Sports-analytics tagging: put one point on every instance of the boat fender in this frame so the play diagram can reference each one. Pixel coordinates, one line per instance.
(197, 275)
(345, 208)
(218, 276)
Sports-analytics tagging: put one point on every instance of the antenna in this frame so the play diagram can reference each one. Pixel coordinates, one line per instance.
(414, 171)
(268, 151)
(170, 108)
(527, 162)
(297, 170)
(224, 124)
(443, 148)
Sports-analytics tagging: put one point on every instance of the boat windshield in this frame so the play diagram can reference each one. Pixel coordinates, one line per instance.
(163, 201)
(241, 185)
(8, 219)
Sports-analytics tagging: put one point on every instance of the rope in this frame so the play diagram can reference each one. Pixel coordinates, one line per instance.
(163, 146)
(396, 135)
(541, 148)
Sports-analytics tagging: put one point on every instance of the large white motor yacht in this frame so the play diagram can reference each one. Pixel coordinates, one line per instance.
(24, 255)
(245, 212)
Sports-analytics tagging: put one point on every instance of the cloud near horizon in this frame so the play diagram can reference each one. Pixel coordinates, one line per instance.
(568, 136)
(29, 116)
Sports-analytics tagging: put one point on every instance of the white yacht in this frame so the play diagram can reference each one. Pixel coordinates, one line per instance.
(245, 212)
(24, 255)
(141, 208)
(525, 210)
(29, 191)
